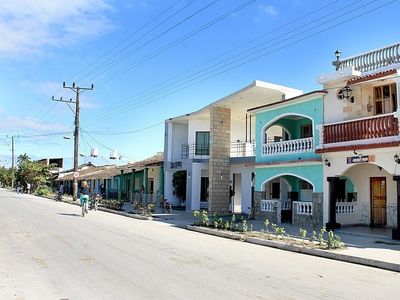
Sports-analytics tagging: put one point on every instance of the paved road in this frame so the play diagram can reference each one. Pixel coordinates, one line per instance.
(48, 251)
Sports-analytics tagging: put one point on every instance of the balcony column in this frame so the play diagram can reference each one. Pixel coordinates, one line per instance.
(332, 225)
(219, 165)
(396, 231)
(120, 185)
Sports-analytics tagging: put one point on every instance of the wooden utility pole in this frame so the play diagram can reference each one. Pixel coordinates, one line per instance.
(77, 90)
(12, 161)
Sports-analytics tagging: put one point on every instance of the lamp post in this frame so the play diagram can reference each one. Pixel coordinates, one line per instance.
(337, 62)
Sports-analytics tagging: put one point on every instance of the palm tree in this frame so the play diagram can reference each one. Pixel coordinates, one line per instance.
(23, 158)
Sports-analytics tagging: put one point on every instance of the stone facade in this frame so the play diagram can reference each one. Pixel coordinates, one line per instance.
(392, 216)
(272, 216)
(314, 221)
(219, 165)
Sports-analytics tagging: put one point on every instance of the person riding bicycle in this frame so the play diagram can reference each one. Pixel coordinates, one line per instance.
(85, 194)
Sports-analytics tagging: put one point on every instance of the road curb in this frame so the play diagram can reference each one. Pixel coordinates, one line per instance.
(300, 249)
(116, 212)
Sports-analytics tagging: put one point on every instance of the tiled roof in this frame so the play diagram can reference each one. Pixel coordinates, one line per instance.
(371, 76)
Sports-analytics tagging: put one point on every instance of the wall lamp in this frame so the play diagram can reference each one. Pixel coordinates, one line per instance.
(358, 154)
(396, 158)
(327, 162)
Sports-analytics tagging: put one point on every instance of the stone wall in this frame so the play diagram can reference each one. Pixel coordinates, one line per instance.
(219, 165)
(262, 215)
(314, 221)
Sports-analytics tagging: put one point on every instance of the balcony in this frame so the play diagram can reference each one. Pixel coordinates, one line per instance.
(237, 149)
(288, 147)
(375, 127)
(373, 60)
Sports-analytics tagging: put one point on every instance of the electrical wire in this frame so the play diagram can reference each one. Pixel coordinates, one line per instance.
(174, 89)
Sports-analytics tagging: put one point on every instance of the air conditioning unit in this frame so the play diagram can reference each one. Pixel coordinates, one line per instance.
(114, 154)
(94, 152)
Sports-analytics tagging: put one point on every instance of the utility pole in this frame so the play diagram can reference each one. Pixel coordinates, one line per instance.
(12, 161)
(77, 90)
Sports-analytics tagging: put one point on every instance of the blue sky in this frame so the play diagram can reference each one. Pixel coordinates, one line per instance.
(150, 60)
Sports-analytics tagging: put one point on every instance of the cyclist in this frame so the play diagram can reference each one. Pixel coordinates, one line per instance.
(84, 195)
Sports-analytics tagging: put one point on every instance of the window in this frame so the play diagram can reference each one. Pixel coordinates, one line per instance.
(202, 143)
(306, 131)
(305, 185)
(385, 98)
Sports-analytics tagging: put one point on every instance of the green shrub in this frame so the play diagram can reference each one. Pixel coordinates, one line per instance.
(43, 190)
(112, 204)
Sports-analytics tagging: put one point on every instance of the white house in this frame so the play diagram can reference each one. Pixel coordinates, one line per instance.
(360, 140)
(214, 146)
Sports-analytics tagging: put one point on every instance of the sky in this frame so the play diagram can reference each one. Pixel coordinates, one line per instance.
(150, 60)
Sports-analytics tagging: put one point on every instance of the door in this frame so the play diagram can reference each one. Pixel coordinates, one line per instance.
(378, 201)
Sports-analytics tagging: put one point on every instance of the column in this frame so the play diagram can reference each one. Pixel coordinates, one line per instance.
(219, 164)
(132, 185)
(161, 180)
(396, 231)
(331, 225)
(146, 180)
(120, 185)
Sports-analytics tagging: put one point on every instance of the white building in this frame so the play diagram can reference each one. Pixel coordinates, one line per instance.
(189, 141)
(360, 139)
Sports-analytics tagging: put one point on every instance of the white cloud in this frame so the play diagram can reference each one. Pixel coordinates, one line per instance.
(269, 10)
(13, 124)
(45, 88)
(27, 27)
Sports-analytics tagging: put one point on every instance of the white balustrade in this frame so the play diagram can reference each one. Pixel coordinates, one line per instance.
(268, 205)
(373, 60)
(346, 208)
(288, 147)
(286, 205)
(303, 208)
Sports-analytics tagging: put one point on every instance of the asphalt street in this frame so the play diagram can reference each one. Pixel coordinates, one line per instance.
(48, 251)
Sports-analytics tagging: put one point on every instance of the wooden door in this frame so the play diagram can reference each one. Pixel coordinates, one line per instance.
(378, 201)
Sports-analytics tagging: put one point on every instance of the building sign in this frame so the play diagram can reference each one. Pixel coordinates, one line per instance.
(360, 159)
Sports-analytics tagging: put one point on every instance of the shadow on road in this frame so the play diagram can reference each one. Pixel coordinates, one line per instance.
(69, 215)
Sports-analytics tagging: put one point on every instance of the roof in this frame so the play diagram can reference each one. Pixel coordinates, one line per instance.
(372, 76)
(256, 93)
(317, 92)
(102, 172)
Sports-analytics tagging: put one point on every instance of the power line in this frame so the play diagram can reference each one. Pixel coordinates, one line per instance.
(174, 89)
(126, 132)
(109, 61)
(127, 38)
(174, 43)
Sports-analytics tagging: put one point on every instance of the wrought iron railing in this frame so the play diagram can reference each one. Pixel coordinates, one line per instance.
(237, 149)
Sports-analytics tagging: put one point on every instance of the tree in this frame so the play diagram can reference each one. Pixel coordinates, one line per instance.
(23, 158)
(5, 176)
(179, 184)
(32, 172)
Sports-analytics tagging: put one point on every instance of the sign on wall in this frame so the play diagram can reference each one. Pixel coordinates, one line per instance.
(360, 159)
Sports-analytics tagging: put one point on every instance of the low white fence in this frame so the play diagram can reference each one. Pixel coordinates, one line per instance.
(286, 204)
(268, 205)
(303, 208)
(346, 208)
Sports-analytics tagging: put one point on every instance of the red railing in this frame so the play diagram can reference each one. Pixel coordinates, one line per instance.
(369, 128)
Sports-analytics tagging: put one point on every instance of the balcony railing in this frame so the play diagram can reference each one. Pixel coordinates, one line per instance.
(268, 205)
(372, 60)
(361, 129)
(288, 147)
(237, 149)
(346, 208)
(303, 208)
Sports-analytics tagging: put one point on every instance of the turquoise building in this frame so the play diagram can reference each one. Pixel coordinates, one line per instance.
(288, 172)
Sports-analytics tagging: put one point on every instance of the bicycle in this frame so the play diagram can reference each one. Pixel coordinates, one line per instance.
(84, 204)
